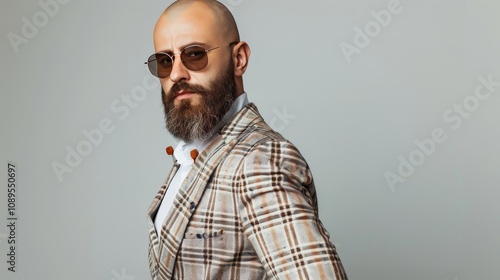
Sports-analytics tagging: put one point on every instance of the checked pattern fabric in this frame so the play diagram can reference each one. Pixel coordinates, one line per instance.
(246, 210)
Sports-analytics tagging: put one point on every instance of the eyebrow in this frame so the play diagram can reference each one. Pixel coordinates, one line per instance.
(182, 47)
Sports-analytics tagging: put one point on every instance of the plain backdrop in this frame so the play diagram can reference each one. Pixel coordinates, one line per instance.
(360, 98)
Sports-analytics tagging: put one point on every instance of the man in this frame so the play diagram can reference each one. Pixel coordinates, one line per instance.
(240, 201)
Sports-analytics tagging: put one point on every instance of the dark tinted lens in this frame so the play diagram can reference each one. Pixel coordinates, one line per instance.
(194, 58)
(160, 65)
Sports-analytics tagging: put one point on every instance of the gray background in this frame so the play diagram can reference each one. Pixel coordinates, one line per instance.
(352, 122)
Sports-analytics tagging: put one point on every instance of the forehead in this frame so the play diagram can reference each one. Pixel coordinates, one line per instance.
(184, 25)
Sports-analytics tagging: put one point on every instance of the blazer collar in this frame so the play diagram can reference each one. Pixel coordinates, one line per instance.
(245, 118)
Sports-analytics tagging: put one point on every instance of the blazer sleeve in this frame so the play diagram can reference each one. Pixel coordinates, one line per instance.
(277, 203)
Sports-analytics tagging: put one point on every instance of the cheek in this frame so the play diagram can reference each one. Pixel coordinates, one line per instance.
(166, 84)
(202, 78)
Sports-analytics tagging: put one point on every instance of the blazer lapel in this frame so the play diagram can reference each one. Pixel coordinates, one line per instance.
(153, 208)
(185, 203)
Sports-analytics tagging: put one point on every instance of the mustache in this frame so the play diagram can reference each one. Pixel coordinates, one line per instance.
(183, 86)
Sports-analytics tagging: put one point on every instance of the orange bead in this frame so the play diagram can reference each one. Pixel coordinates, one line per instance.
(194, 154)
(170, 150)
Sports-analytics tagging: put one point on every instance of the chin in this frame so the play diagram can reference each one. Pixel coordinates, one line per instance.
(191, 101)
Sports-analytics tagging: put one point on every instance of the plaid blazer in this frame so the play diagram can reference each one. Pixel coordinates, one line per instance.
(246, 210)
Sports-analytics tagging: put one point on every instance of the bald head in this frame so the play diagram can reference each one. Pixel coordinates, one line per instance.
(207, 24)
(211, 10)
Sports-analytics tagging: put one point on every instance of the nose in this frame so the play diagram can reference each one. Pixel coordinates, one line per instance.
(179, 71)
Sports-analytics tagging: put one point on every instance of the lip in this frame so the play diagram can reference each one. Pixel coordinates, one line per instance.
(183, 95)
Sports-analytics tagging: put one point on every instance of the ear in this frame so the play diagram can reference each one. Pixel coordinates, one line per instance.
(241, 55)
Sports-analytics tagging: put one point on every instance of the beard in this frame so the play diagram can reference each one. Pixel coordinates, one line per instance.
(197, 122)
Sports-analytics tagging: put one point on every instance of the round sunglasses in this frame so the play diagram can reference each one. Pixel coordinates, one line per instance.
(194, 58)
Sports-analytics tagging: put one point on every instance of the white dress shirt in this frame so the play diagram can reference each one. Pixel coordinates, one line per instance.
(182, 154)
